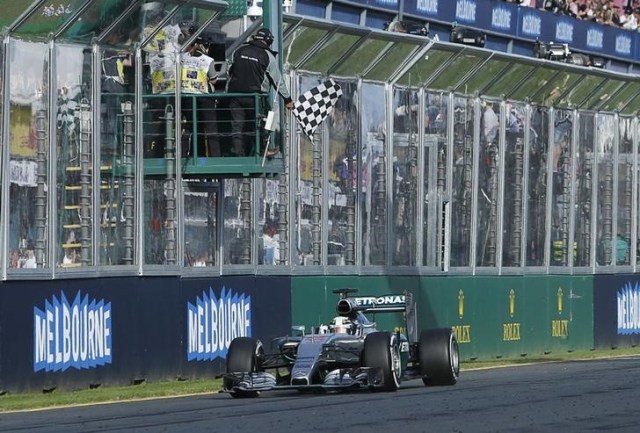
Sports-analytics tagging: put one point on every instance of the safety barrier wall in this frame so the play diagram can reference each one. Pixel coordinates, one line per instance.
(493, 317)
(75, 334)
(616, 301)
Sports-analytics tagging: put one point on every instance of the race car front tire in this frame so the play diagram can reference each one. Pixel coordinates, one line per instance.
(382, 350)
(439, 357)
(243, 356)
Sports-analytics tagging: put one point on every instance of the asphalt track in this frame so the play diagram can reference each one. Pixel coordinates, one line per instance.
(577, 396)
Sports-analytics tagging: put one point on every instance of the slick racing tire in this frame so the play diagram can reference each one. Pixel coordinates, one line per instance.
(244, 356)
(382, 350)
(439, 357)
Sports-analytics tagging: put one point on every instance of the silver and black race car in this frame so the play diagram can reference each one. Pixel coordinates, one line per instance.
(350, 354)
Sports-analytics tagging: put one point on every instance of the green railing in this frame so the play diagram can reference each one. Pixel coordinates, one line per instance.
(206, 138)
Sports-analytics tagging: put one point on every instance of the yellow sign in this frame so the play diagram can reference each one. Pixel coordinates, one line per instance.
(560, 328)
(559, 300)
(510, 331)
(512, 303)
(463, 333)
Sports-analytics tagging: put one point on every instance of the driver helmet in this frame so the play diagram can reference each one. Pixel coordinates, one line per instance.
(340, 325)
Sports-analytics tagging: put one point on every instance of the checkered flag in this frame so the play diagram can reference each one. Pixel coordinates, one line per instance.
(315, 105)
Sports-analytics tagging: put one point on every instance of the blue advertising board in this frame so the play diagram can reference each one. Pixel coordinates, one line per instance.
(513, 21)
(82, 333)
(616, 311)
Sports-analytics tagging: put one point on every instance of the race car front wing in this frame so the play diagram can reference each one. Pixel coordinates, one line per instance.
(342, 379)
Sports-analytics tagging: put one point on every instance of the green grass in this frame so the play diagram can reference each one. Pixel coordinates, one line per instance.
(146, 390)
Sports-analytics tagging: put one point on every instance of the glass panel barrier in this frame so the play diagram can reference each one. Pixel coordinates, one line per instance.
(562, 83)
(330, 52)
(462, 64)
(342, 179)
(271, 222)
(298, 43)
(391, 60)
(524, 90)
(374, 180)
(602, 97)
(11, 10)
(98, 16)
(583, 157)
(29, 153)
(481, 78)
(462, 189)
(561, 192)
(435, 156)
(537, 181)
(200, 204)
(625, 191)
(487, 187)
(512, 218)
(237, 219)
(310, 190)
(405, 177)
(509, 80)
(75, 171)
(44, 20)
(422, 71)
(117, 154)
(363, 56)
(606, 200)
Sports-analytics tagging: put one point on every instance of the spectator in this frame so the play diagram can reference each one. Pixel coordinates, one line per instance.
(490, 123)
(199, 75)
(253, 69)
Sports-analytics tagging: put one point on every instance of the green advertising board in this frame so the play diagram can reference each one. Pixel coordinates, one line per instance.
(493, 317)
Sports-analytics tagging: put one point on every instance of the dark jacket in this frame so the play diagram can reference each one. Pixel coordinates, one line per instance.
(254, 69)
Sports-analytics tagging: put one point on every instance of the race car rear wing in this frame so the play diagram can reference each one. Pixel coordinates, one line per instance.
(403, 303)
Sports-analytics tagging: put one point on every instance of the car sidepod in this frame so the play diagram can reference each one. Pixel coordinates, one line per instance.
(439, 357)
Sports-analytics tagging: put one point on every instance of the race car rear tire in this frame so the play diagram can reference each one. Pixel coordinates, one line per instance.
(439, 357)
(382, 350)
(243, 356)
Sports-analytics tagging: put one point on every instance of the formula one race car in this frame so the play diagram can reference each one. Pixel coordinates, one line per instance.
(351, 353)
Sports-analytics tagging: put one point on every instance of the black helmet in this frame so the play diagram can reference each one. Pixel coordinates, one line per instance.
(264, 35)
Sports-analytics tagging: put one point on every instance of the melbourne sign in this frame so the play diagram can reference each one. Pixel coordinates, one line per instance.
(213, 322)
(72, 334)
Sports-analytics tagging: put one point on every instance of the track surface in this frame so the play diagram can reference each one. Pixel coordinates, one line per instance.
(578, 396)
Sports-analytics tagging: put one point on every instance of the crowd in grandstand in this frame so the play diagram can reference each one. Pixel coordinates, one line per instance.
(619, 13)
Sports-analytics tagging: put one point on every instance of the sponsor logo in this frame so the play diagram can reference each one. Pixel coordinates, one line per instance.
(372, 301)
(559, 327)
(628, 299)
(466, 10)
(595, 38)
(428, 6)
(564, 31)
(501, 18)
(387, 2)
(531, 25)
(463, 332)
(511, 330)
(623, 45)
(73, 334)
(214, 322)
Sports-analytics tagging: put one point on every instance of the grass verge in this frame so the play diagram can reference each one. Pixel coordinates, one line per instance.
(35, 401)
